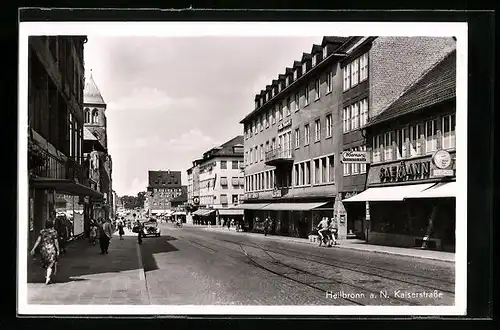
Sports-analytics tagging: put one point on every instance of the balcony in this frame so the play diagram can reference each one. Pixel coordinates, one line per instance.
(279, 156)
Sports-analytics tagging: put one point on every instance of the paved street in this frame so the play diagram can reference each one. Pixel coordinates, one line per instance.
(197, 265)
(193, 265)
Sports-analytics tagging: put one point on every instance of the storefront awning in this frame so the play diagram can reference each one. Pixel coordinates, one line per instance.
(230, 211)
(203, 212)
(387, 194)
(65, 186)
(293, 206)
(250, 206)
(442, 189)
(179, 213)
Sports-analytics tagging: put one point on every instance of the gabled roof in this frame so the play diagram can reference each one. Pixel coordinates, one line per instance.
(91, 93)
(225, 149)
(268, 87)
(288, 71)
(333, 39)
(435, 86)
(305, 56)
(275, 82)
(316, 49)
(296, 64)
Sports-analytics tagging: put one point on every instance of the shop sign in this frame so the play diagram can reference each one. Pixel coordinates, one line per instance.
(405, 172)
(196, 200)
(284, 124)
(252, 195)
(355, 157)
(276, 193)
(442, 162)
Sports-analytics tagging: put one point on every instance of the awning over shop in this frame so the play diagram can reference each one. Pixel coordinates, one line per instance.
(387, 194)
(442, 189)
(230, 211)
(203, 212)
(250, 206)
(293, 206)
(179, 213)
(65, 186)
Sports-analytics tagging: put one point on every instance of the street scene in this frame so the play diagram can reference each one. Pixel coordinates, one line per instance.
(195, 171)
(220, 266)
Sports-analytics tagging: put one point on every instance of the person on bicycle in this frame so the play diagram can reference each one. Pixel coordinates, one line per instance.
(323, 228)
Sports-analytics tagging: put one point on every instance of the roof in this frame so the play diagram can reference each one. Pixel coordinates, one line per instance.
(435, 86)
(91, 93)
(305, 56)
(87, 135)
(316, 49)
(296, 64)
(225, 149)
(164, 179)
(333, 39)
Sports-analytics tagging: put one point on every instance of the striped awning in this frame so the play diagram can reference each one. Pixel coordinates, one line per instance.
(203, 212)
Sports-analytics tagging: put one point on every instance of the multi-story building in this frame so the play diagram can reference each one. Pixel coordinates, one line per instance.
(293, 138)
(375, 72)
(411, 192)
(55, 126)
(163, 186)
(221, 183)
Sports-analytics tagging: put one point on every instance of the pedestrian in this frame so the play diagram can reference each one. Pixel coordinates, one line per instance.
(138, 229)
(120, 228)
(105, 234)
(49, 249)
(62, 231)
(228, 223)
(93, 233)
(333, 231)
(266, 226)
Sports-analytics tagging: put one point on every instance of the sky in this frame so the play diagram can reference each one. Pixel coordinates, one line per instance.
(170, 99)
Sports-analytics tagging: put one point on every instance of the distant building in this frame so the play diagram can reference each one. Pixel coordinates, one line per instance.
(163, 186)
(221, 183)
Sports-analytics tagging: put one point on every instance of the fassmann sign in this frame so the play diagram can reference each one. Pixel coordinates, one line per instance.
(355, 157)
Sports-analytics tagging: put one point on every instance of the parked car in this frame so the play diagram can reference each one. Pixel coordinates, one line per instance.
(150, 228)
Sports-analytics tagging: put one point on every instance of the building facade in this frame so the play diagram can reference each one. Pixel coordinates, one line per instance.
(163, 186)
(293, 139)
(55, 127)
(410, 190)
(375, 72)
(221, 183)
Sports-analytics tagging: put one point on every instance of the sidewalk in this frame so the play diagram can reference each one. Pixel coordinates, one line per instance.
(354, 244)
(87, 277)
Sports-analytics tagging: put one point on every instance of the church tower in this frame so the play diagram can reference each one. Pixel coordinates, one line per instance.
(95, 111)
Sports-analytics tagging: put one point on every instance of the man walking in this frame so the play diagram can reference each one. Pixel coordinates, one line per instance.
(106, 232)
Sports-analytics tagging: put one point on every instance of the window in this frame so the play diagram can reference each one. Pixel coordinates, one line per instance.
(355, 167)
(431, 136)
(306, 135)
(329, 82)
(346, 119)
(279, 86)
(347, 77)
(256, 104)
(354, 72)
(401, 149)
(235, 199)
(223, 199)
(262, 152)
(317, 130)
(325, 52)
(234, 164)
(296, 174)
(415, 140)
(448, 132)
(297, 138)
(363, 117)
(288, 106)
(363, 66)
(288, 80)
(273, 144)
(324, 170)
(388, 149)
(328, 125)
(347, 169)
(331, 170)
(307, 172)
(223, 181)
(313, 60)
(267, 145)
(95, 116)
(223, 164)
(261, 123)
(304, 68)
(280, 111)
(297, 101)
(275, 114)
(355, 116)
(295, 74)
(267, 119)
(317, 176)
(316, 89)
(306, 95)
(87, 115)
(377, 145)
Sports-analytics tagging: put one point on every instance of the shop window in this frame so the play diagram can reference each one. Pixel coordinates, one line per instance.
(431, 136)
(448, 132)
(377, 147)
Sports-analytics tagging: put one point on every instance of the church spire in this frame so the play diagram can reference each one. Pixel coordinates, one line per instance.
(91, 93)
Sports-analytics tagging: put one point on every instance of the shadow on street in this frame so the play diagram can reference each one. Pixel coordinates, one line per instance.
(155, 245)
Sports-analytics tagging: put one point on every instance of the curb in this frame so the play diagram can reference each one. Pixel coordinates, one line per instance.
(142, 273)
(342, 246)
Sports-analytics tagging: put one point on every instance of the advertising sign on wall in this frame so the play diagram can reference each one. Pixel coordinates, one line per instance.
(442, 164)
(355, 157)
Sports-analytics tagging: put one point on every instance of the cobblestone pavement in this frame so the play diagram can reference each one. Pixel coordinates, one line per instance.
(86, 277)
(192, 265)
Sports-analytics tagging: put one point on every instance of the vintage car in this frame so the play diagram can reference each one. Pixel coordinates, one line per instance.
(150, 228)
